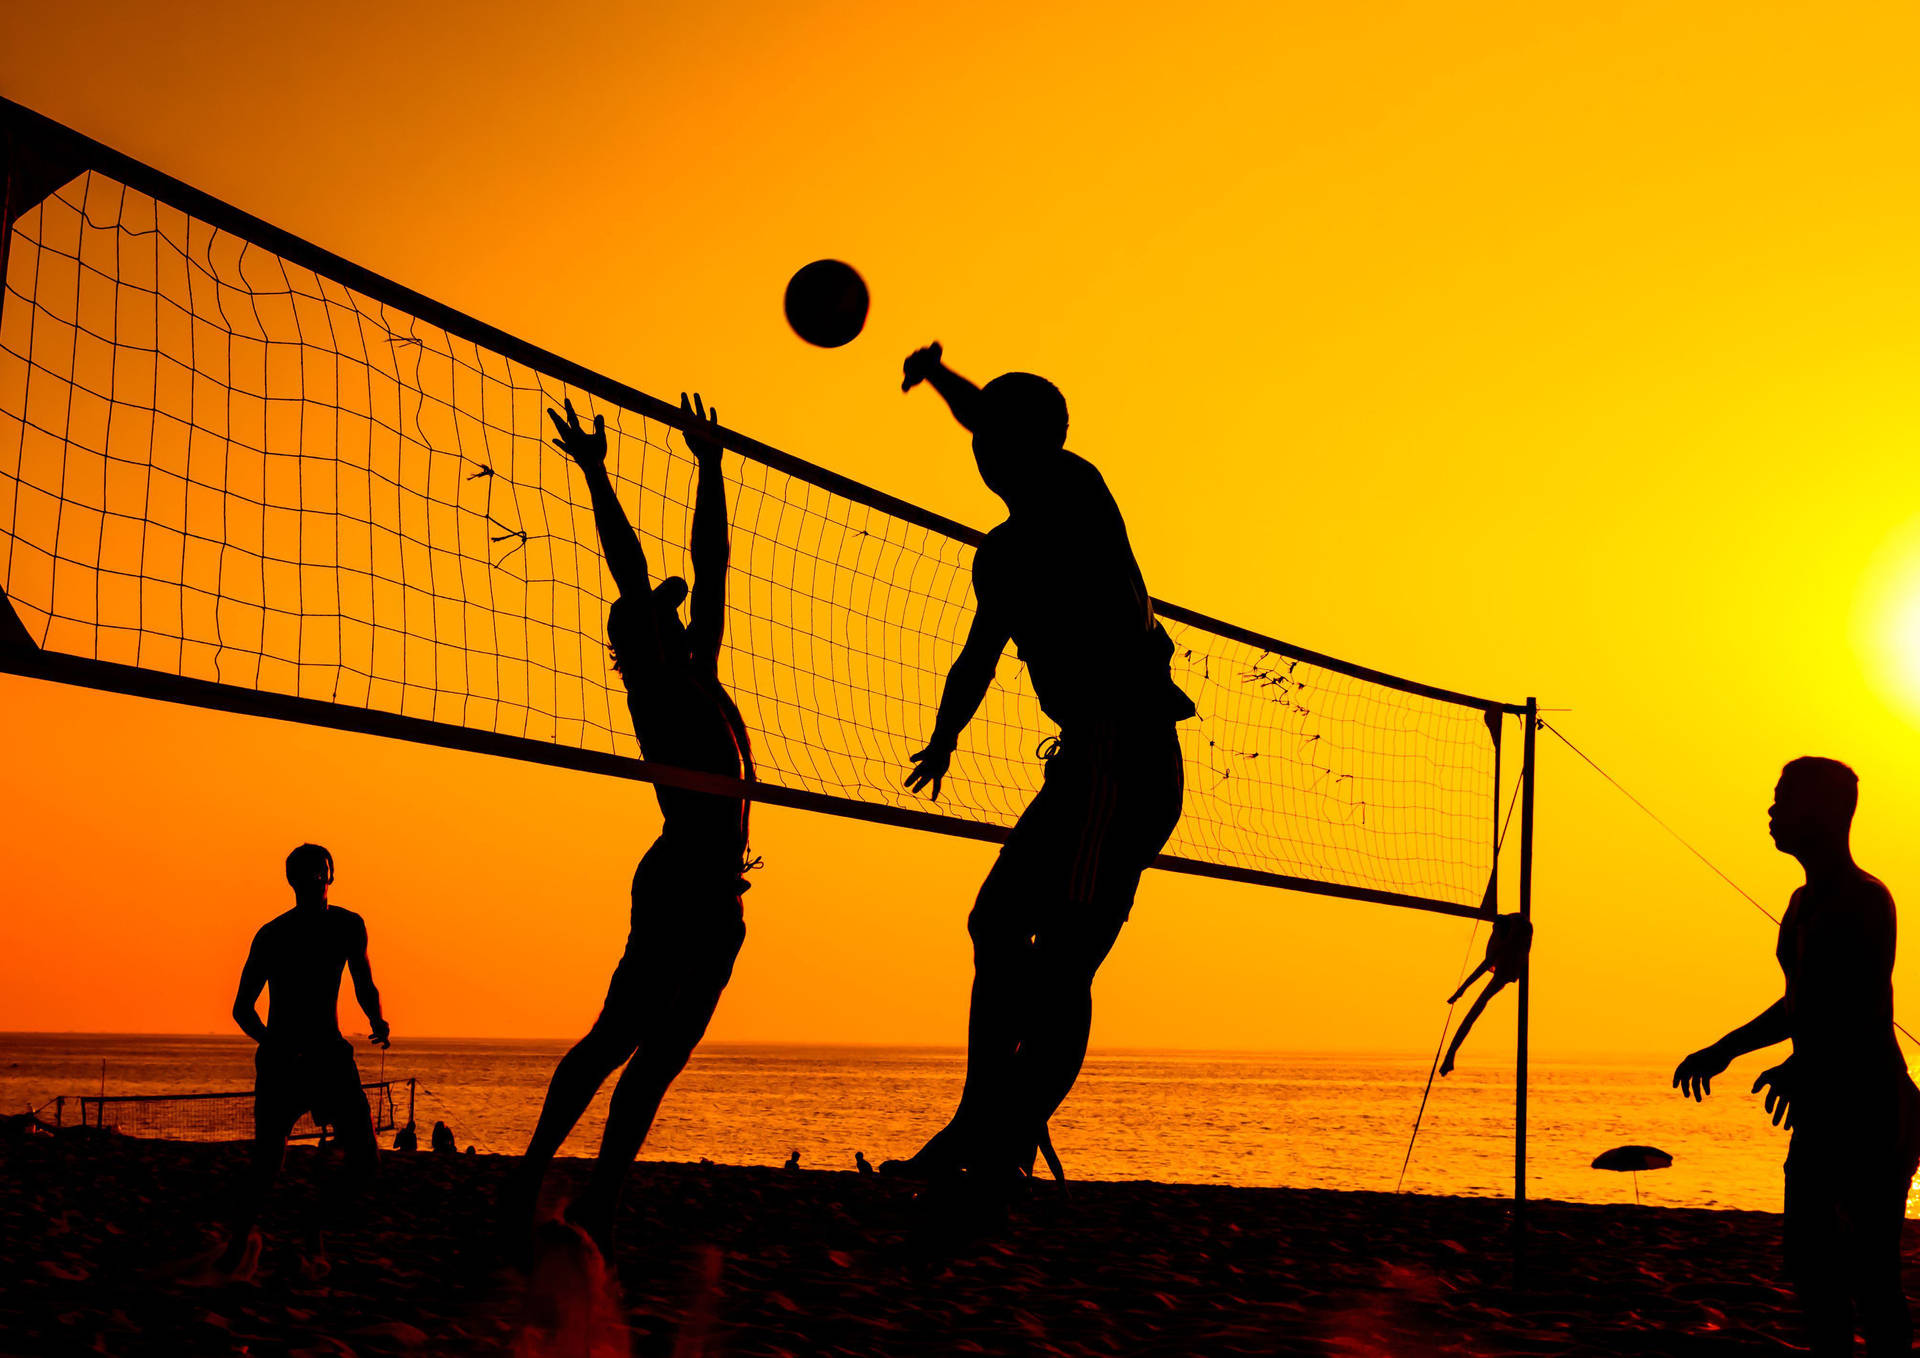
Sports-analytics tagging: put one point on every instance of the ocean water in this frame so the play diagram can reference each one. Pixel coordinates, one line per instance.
(1250, 1118)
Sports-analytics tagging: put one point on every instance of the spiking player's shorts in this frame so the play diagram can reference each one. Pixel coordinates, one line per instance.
(687, 928)
(1111, 798)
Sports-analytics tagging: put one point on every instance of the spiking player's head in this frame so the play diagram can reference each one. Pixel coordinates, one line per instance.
(1813, 805)
(1020, 425)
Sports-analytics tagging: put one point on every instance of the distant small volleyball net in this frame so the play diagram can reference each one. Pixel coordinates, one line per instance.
(220, 1117)
(240, 472)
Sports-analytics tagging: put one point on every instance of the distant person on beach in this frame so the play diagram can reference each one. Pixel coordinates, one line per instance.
(861, 1163)
(406, 1139)
(1508, 944)
(793, 1161)
(443, 1142)
(303, 1064)
(1844, 1091)
(1058, 579)
(687, 924)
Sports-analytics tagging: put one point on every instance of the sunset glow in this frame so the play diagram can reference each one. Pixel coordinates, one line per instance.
(1511, 349)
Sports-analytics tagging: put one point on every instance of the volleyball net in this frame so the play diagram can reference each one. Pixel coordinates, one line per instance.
(240, 472)
(219, 1117)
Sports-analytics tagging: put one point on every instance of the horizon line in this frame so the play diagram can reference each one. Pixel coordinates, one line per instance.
(959, 1047)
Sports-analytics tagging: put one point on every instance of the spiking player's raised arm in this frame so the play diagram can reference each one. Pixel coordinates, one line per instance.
(928, 365)
(973, 670)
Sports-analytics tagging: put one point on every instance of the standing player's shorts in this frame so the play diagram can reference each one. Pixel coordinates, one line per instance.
(1849, 1168)
(687, 928)
(1111, 798)
(317, 1077)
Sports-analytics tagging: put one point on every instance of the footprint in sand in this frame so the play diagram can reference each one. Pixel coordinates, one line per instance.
(573, 1304)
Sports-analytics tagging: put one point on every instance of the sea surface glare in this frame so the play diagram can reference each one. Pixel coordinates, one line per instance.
(1252, 1118)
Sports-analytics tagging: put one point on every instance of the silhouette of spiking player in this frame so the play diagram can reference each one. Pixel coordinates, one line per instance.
(303, 1064)
(1508, 944)
(687, 925)
(1058, 578)
(1844, 1091)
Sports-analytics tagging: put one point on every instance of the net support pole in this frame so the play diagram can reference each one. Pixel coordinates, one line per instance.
(1527, 770)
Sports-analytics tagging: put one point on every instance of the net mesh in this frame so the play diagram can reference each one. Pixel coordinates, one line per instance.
(210, 1117)
(218, 463)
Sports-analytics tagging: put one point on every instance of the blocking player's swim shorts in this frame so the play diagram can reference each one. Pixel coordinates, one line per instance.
(1111, 798)
(687, 926)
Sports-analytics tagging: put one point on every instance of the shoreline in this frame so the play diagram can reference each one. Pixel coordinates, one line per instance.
(748, 1260)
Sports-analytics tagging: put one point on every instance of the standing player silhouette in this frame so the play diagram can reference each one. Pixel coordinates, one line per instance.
(1058, 578)
(303, 1064)
(1844, 1092)
(687, 925)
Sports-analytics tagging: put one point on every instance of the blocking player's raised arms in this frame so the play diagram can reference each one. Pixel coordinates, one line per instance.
(626, 558)
(709, 548)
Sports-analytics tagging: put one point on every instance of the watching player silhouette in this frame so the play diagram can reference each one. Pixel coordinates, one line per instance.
(687, 924)
(1844, 1091)
(1058, 578)
(303, 1065)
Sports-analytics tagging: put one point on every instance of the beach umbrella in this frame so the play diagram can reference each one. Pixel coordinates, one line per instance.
(1631, 1160)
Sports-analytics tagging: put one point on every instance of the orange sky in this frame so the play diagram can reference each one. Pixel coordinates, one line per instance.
(1514, 349)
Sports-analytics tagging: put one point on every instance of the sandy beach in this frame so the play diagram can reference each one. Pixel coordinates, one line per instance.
(719, 1260)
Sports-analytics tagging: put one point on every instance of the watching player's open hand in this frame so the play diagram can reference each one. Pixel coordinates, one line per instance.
(382, 1031)
(700, 421)
(1778, 1082)
(930, 767)
(1693, 1077)
(587, 447)
(921, 364)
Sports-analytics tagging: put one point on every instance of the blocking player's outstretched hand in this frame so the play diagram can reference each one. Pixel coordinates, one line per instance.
(587, 447)
(920, 365)
(930, 767)
(382, 1031)
(702, 444)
